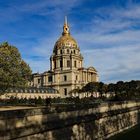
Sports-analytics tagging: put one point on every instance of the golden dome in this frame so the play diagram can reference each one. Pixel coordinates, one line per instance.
(66, 40)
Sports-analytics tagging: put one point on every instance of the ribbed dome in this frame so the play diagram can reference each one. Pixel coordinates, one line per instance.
(66, 40)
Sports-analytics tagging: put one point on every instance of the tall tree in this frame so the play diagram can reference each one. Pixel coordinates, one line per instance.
(14, 72)
(91, 87)
(119, 87)
(111, 89)
(101, 88)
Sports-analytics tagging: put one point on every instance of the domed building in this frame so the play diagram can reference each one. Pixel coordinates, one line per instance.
(66, 67)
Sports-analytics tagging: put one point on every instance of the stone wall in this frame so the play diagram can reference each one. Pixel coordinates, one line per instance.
(86, 123)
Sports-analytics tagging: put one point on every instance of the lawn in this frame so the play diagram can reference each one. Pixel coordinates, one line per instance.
(131, 134)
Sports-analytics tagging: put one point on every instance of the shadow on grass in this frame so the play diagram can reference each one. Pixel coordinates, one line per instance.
(131, 134)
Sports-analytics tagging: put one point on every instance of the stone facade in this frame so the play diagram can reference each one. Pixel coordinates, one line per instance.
(31, 93)
(66, 67)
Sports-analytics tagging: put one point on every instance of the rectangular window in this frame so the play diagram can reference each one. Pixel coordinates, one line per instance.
(50, 79)
(76, 78)
(65, 78)
(61, 63)
(65, 91)
(39, 80)
(68, 63)
(75, 65)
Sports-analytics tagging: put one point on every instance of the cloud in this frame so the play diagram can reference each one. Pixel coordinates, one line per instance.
(111, 44)
(110, 39)
(19, 10)
(115, 64)
(108, 35)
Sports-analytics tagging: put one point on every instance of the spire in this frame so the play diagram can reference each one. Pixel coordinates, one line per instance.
(65, 22)
(65, 27)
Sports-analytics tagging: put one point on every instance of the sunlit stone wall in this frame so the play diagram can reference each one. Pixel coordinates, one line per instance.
(87, 123)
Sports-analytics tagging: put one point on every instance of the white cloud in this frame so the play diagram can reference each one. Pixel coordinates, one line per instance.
(110, 41)
(113, 45)
(120, 62)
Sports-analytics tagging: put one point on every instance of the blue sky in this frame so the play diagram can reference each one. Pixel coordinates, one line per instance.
(107, 31)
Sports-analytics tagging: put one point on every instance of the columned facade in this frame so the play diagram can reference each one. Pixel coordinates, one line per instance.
(66, 66)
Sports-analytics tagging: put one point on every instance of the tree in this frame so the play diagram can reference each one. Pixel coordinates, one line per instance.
(111, 88)
(14, 72)
(91, 87)
(133, 86)
(119, 87)
(101, 88)
(74, 91)
(120, 90)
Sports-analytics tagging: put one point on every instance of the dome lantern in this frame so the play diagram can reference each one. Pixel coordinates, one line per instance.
(65, 27)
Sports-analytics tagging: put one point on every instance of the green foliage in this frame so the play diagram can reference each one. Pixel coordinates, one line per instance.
(102, 88)
(39, 101)
(118, 91)
(125, 90)
(14, 72)
(90, 87)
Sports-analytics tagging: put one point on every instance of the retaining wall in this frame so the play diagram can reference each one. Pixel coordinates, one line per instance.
(86, 123)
